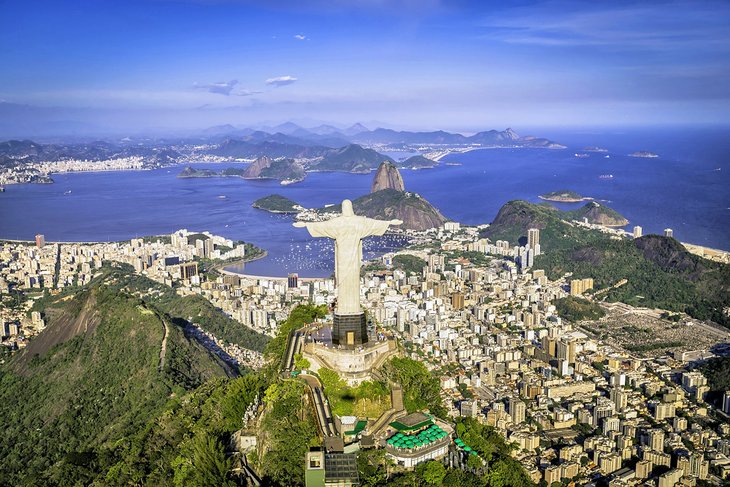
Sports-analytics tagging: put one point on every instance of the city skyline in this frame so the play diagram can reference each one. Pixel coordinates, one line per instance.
(166, 66)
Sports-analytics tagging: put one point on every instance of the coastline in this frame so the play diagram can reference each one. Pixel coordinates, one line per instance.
(221, 268)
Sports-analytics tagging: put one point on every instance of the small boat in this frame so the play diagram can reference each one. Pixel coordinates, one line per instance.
(2, 189)
(67, 192)
(606, 176)
(222, 197)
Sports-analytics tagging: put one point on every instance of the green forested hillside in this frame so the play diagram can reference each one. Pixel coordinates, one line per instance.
(193, 308)
(653, 280)
(98, 377)
(660, 271)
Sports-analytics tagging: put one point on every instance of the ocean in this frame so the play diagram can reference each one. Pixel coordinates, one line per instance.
(687, 188)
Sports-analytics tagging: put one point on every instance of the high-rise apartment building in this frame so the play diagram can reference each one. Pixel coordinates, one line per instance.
(517, 410)
(293, 280)
(579, 286)
(457, 300)
(533, 240)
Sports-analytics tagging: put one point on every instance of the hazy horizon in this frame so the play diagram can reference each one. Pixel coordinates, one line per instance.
(85, 68)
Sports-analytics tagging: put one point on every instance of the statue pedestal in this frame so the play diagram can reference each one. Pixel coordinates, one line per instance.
(349, 331)
(354, 365)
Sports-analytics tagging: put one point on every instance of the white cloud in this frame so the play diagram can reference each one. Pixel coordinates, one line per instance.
(281, 80)
(220, 88)
(246, 93)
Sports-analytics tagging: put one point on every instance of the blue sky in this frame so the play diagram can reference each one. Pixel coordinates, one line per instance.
(420, 64)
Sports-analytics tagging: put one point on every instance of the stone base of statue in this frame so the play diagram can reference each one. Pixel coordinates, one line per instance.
(349, 331)
(353, 364)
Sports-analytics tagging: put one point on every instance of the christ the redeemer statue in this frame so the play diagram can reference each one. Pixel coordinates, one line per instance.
(348, 230)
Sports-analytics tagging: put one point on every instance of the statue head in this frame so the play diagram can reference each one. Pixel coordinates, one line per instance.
(347, 208)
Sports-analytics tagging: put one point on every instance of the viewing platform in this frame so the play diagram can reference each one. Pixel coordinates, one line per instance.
(355, 365)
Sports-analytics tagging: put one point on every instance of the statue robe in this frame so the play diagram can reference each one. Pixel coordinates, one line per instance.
(348, 232)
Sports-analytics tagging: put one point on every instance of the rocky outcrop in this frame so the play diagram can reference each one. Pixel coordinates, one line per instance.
(190, 172)
(267, 168)
(387, 177)
(257, 167)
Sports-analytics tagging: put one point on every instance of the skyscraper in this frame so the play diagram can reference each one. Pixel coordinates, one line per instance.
(517, 410)
(668, 232)
(40, 240)
(457, 300)
(533, 239)
(293, 280)
(637, 231)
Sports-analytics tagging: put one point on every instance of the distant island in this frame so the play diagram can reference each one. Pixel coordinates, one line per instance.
(593, 148)
(190, 173)
(564, 196)
(286, 170)
(643, 153)
(275, 203)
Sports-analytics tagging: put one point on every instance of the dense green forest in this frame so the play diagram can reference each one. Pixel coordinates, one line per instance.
(421, 389)
(95, 377)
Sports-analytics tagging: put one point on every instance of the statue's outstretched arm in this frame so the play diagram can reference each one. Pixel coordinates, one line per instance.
(319, 229)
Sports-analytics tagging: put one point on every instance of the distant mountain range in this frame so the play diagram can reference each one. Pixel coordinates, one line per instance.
(358, 133)
(321, 148)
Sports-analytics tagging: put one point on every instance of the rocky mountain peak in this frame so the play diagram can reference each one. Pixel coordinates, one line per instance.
(511, 134)
(387, 177)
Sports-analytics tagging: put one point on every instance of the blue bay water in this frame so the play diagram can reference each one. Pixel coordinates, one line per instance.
(686, 188)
